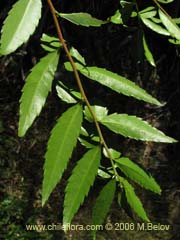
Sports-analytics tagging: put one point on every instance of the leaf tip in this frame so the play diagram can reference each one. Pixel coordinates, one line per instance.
(43, 203)
(158, 189)
(44, 199)
(65, 226)
(21, 133)
(153, 63)
(21, 129)
(171, 140)
(157, 102)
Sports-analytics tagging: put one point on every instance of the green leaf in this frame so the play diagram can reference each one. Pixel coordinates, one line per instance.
(125, 3)
(50, 43)
(176, 20)
(88, 141)
(74, 53)
(76, 94)
(148, 53)
(116, 82)
(114, 154)
(84, 132)
(134, 14)
(80, 182)
(148, 9)
(64, 95)
(116, 18)
(82, 19)
(165, 1)
(99, 111)
(95, 138)
(171, 26)
(133, 200)
(137, 174)
(85, 143)
(35, 91)
(148, 12)
(60, 146)
(133, 127)
(103, 174)
(156, 20)
(174, 41)
(20, 24)
(103, 204)
(155, 27)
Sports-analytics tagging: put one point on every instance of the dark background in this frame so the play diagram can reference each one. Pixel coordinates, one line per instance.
(21, 160)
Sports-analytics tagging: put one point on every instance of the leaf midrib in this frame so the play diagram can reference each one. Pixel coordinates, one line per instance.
(83, 180)
(113, 79)
(21, 22)
(137, 200)
(60, 149)
(37, 87)
(134, 127)
(139, 174)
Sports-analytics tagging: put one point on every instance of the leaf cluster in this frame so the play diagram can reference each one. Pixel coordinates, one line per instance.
(19, 25)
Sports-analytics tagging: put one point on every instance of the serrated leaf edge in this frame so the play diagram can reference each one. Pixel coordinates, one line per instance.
(27, 37)
(146, 176)
(96, 151)
(22, 129)
(46, 195)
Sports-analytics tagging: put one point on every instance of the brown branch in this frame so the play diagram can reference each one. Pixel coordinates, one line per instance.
(78, 80)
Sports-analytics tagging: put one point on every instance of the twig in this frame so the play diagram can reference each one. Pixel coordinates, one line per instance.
(79, 83)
